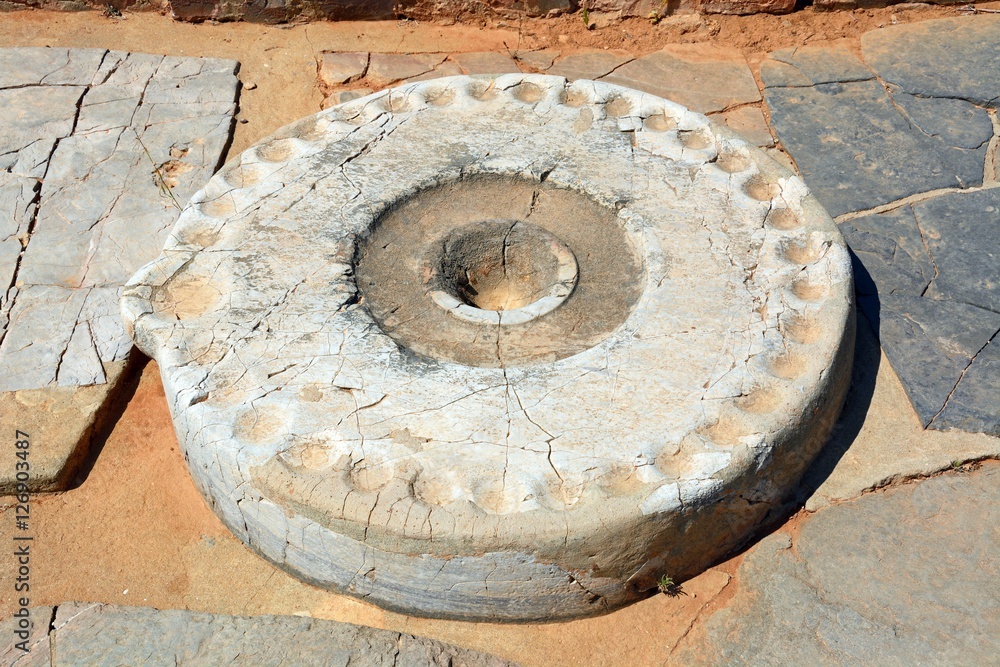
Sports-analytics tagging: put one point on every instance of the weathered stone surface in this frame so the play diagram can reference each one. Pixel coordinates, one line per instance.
(973, 405)
(95, 635)
(37, 639)
(102, 148)
(749, 123)
(61, 423)
(540, 60)
(588, 63)
(852, 142)
(378, 410)
(487, 62)
(702, 77)
(961, 233)
(811, 65)
(743, 7)
(930, 344)
(948, 58)
(892, 257)
(447, 68)
(339, 68)
(341, 96)
(900, 577)
(878, 440)
(386, 68)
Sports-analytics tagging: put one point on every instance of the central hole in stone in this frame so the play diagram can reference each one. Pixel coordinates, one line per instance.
(500, 264)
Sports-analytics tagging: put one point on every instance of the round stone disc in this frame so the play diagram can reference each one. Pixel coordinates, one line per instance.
(503, 348)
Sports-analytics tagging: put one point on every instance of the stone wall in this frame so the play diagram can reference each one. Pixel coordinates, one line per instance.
(281, 11)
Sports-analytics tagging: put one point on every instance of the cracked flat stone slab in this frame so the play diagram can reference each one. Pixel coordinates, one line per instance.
(386, 68)
(914, 119)
(589, 63)
(948, 58)
(97, 635)
(903, 576)
(339, 68)
(702, 77)
(861, 145)
(485, 62)
(100, 149)
(472, 378)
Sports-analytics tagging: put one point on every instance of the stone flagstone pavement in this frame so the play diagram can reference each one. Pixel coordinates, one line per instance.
(901, 146)
(98, 151)
(93, 635)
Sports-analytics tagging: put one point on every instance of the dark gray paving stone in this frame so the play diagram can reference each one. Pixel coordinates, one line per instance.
(955, 57)
(94, 635)
(807, 66)
(974, 405)
(957, 122)
(857, 151)
(903, 577)
(963, 234)
(890, 256)
(930, 343)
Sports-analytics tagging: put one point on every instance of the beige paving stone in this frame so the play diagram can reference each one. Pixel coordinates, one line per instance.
(588, 63)
(748, 122)
(485, 62)
(702, 77)
(386, 68)
(340, 68)
(540, 60)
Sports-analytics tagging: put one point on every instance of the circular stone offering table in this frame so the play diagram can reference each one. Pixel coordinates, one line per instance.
(500, 348)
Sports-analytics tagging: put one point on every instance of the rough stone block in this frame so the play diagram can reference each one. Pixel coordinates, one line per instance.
(61, 422)
(744, 7)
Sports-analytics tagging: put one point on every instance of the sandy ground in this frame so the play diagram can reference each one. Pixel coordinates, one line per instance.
(135, 531)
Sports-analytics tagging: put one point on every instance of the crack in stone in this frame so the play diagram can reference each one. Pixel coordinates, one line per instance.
(960, 378)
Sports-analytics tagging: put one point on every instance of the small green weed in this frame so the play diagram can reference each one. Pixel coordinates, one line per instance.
(667, 586)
